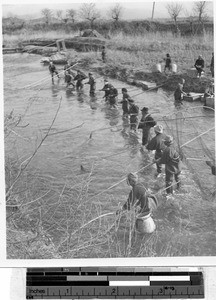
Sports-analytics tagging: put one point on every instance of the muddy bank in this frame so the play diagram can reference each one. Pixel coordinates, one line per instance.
(77, 43)
(169, 83)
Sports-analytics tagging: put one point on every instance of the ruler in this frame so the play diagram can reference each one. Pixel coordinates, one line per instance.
(113, 283)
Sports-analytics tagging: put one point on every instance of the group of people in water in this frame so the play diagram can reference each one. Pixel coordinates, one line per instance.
(165, 151)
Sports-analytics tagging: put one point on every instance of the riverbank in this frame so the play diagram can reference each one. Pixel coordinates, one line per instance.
(130, 58)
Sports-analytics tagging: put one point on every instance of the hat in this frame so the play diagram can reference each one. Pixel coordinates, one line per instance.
(132, 177)
(144, 109)
(90, 73)
(168, 140)
(124, 90)
(158, 128)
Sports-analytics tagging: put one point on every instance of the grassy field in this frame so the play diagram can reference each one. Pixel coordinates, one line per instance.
(138, 51)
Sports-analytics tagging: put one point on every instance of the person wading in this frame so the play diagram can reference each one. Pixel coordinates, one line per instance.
(53, 70)
(112, 97)
(69, 80)
(133, 112)
(106, 89)
(92, 84)
(126, 99)
(145, 203)
(145, 124)
(79, 78)
(179, 95)
(171, 158)
(157, 144)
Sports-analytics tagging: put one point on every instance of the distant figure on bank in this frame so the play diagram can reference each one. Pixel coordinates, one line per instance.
(112, 97)
(212, 65)
(52, 69)
(92, 84)
(145, 124)
(79, 78)
(139, 198)
(133, 112)
(157, 144)
(171, 158)
(179, 94)
(69, 79)
(126, 99)
(199, 65)
(106, 89)
(103, 54)
(168, 63)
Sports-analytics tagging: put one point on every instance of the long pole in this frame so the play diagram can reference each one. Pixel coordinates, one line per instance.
(153, 10)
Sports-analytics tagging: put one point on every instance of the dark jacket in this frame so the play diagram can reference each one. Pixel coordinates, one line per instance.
(134, 110)
(125, 108)
(171, 159)
(52, 68)
(68, 78)
(146, 122)
(80, 77)
(199, 62)
(113, 92)
(107, 87)
(138, 197)
(91, 82)
(126, 96)
(168, 62)
(178, 94)
(157, 143)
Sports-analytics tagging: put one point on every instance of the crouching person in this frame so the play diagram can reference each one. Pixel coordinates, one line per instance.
(143, 201)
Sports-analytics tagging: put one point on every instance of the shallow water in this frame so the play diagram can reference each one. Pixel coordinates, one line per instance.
(100, 146)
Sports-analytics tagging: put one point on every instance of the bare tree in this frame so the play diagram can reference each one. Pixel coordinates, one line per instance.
(61, 16)
(47, 14)
(88, 11)
(71, 14)
(116, 12)
(200, 9)
(190, 18)
(174, 10)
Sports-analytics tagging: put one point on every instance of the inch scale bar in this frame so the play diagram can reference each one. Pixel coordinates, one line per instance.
(113, 283)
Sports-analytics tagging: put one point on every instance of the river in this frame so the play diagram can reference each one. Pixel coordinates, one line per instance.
(87, 146)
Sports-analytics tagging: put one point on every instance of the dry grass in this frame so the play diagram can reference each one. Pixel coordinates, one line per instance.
(145, 51)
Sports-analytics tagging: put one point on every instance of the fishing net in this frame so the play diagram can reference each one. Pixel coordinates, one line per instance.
(194, 132)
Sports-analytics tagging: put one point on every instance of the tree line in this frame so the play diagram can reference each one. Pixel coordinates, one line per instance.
(88, 13)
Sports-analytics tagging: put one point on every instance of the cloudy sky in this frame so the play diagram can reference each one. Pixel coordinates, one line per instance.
(132, 10)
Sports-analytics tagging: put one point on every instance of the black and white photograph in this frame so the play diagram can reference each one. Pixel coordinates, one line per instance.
(109, 129)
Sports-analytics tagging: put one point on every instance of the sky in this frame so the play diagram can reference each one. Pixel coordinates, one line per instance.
(131, 10)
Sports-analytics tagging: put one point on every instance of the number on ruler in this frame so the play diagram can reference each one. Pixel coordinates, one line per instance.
(169, 288)
(113, 291)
